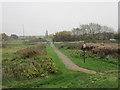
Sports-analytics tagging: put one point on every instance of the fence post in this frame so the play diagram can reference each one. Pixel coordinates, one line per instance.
(84, 55)
(84, 47)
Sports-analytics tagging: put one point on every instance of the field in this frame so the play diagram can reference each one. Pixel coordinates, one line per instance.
(57, 75)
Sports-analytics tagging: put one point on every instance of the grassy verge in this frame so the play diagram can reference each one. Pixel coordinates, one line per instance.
(59, 63)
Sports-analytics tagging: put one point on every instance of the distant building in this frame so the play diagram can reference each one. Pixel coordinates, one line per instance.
(46, 36)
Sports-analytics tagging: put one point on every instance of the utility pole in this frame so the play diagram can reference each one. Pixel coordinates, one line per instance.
(79, 25)
(23, 30)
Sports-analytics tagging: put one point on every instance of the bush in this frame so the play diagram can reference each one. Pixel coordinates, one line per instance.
(32, 51)
(103, 51)
(18, 68)
(79, 53)
(69, 45)
(28, 63)
(74, 53)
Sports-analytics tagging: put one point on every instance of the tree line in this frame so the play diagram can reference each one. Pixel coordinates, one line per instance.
(91, 32)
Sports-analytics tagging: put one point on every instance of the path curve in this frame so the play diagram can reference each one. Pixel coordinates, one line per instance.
(68, 63)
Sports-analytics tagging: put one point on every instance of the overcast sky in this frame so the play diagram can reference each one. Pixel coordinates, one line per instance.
(55, 16)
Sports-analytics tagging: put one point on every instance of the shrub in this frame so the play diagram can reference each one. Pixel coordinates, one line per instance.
(18, 68)
(79, 53)
(32, 51)
(69, 45)
(28, 63)
(103, 51)
(74, 53)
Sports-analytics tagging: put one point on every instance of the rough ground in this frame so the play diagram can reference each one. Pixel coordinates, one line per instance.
(69, 64)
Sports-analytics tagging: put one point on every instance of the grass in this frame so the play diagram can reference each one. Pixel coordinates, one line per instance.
(56, 59)
(65, 78)
(0, 54)
(11, 49)
(15, 41)
(72, 80)
(91, 63)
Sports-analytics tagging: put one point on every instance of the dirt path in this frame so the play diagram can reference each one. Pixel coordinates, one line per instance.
(68, 63)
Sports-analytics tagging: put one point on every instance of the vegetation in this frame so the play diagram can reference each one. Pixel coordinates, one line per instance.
(29, 63)
(93, 61)
(71, 80)
(91, 32)
(64, 78)
(3, 36)
(34, 41)
(32, 51)
(99, 49)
